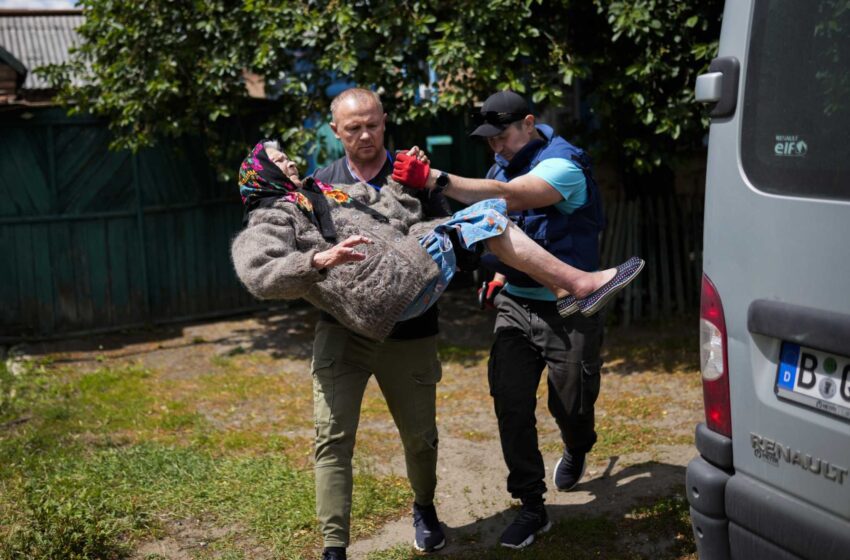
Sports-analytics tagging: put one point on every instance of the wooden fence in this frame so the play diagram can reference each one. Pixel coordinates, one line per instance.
(667, 232)
(95, 240)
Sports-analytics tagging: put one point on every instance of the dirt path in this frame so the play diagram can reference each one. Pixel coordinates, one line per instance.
(471, 494)
(649, 405)
(475, 507)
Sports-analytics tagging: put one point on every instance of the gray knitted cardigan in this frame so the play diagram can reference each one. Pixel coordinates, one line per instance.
(273, 257)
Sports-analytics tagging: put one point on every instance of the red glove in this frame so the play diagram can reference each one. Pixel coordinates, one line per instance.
(488, 292)
(410, 171)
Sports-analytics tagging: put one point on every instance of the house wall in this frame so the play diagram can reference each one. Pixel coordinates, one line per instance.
(8, 82)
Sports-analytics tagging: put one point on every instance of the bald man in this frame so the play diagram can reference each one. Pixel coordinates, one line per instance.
(405, 365)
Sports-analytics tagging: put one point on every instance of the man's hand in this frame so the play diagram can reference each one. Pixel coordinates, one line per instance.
(488, 292)
(418, 152)
(411, 171)
(341, 253)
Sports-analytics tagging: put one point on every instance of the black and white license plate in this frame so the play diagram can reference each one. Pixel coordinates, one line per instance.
(814, 378)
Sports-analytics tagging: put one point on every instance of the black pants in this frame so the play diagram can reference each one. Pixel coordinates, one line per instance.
(530, 335)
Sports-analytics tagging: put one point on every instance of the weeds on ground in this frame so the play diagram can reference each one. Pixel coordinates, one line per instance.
(94, 463)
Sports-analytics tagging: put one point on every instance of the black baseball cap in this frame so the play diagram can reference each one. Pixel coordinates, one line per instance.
(499, 110)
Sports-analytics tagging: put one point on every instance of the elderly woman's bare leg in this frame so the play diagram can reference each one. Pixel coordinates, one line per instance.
(517, 250)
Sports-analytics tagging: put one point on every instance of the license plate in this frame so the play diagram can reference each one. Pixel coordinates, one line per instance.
(814, 378)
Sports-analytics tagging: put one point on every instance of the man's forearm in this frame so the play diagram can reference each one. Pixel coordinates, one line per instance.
(467, 190)
(522, 193)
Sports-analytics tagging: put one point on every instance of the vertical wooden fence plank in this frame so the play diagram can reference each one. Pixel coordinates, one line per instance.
(619, 232)
(652, 259)
(149, 240)
(221, 256)
(82, 273)
(171, 248)
(51, 171)
(118, 259)
(43, 272)
(10, 303)
(627, 243)
(140, 227)
(64, 255)
(678, 261)
(664, 247)
(137, 310)
(607, 237)
(100, 272)
(26, 277)
(200, 257)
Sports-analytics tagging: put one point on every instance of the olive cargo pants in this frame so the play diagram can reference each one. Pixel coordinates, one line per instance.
(407, 372)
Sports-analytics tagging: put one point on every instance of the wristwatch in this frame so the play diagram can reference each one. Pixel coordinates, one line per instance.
(441, 182)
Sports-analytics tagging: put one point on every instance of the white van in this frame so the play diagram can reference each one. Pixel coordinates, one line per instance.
(773, 476)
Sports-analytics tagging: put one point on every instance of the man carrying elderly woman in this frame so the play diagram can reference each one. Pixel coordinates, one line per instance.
(370, 258)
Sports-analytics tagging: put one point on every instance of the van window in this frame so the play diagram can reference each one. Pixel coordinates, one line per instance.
(796, 107)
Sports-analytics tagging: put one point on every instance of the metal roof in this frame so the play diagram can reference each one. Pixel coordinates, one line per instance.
(39, 37)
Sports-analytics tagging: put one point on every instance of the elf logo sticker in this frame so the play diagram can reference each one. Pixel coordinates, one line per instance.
(790, 146)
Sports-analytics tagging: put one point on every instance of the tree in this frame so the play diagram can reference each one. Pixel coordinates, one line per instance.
(157, 68)
(641, 79)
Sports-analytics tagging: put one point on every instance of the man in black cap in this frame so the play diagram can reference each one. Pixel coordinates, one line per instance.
(550, 191)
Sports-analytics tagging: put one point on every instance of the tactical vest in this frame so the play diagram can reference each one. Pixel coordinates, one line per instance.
(572, 238)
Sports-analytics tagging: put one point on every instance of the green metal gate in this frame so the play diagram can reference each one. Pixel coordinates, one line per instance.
(92, 239)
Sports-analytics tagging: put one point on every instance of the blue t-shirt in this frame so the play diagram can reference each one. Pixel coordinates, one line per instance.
(568, 179)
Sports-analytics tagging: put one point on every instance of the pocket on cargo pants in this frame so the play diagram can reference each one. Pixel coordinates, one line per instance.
(590, 383)
(323, 391)
(574, 388)
(572, 394)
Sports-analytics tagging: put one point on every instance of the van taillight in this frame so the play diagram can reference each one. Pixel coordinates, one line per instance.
(713, 360)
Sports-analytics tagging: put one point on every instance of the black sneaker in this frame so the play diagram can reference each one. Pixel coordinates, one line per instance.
(334, 553)
(532, 520)
(569, 470)
(429, 534)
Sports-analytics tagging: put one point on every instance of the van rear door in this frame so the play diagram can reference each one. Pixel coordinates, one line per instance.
(777, 247)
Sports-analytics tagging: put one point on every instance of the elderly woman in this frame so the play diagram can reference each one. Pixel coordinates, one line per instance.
(367, 256)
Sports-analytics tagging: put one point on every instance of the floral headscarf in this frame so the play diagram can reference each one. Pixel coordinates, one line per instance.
(260, 177)
(262, 182)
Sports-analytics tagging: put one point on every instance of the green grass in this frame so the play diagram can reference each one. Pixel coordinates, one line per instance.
(665, 520)
(461, 355)
(94, 463)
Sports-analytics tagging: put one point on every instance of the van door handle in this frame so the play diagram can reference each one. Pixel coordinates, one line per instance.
(708, 87)
(816, 328)
(719, 86)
